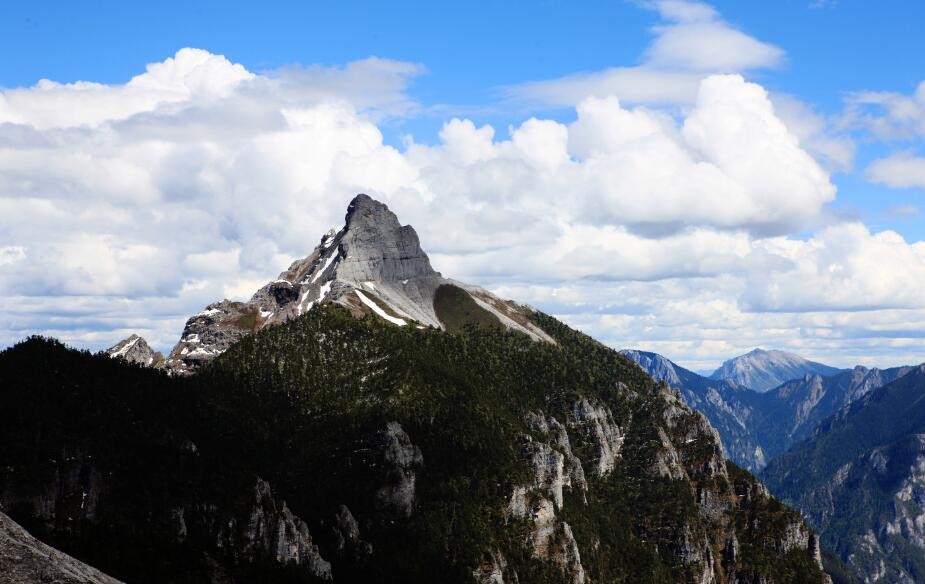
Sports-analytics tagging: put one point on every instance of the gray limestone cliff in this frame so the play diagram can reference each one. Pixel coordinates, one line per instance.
(688, 451)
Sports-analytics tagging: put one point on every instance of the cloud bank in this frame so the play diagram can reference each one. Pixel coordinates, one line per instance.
(129, 207)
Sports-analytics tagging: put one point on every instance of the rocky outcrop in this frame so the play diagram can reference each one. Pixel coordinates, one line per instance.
(272, 532)
(688, 449)
(135, 349)
(209, 333)
(347, 541)
(494, 570)
(376, 247)
(595, 424)
(684, 449)
(555, 468)
(549, 538)
(401, 459)
(373, 265)
(25, 560)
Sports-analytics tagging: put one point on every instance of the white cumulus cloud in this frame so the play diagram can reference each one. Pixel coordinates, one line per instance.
(901, 170)
(198, 179)
(691, 42)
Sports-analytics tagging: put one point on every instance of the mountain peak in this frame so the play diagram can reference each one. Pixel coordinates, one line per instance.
(135, 349)
(762, 370)
(376, 247)
(373, 265)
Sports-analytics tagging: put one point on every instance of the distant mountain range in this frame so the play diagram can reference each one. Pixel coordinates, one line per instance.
(756, 426)
(860, 479)
(847, 449)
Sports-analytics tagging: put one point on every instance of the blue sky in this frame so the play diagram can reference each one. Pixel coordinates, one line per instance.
(472, 50)
(486, 87)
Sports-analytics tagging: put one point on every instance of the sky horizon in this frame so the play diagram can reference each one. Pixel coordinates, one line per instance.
(694, 179)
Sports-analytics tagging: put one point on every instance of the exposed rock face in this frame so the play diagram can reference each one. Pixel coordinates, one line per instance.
(135, 349)
(348, 543)
(273, 532)
(555, 468)
(376, 247)
(494, 570)
(594, 423)
(402, 459)
(373, 265)
(210, 333)
(25, 560)
(688, 451)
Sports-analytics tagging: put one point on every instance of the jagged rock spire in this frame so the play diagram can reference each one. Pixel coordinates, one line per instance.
(376, 247)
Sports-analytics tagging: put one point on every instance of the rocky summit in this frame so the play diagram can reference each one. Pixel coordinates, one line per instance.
(136, 350)
(373, 265)
(763, 370)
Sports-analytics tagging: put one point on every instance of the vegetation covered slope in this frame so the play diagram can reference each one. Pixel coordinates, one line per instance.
(860, 479)
(100, 459)
(411, 455)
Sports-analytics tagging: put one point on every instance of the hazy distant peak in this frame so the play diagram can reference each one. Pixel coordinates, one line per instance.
(762, 370)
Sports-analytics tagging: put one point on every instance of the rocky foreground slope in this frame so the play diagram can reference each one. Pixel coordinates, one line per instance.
(25, 560)
(345, 446)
